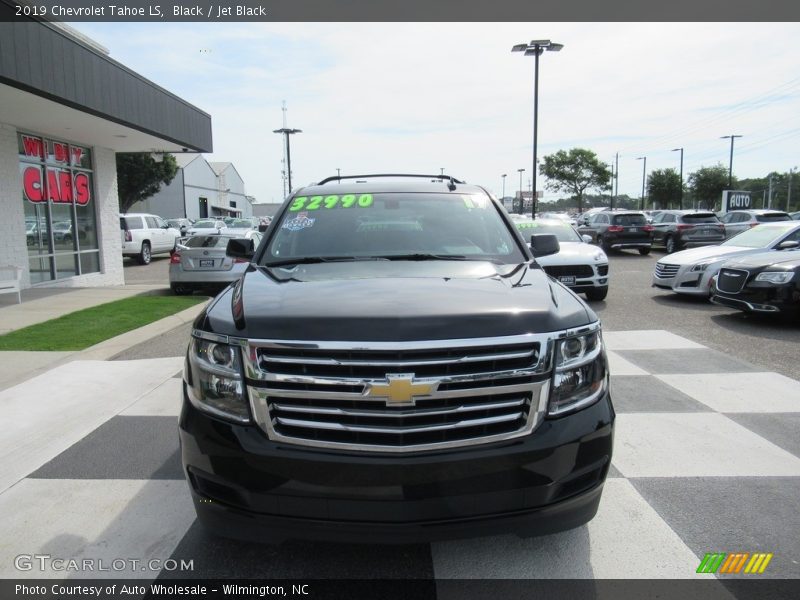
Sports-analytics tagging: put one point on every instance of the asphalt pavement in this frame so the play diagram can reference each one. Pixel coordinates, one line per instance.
(767, 342)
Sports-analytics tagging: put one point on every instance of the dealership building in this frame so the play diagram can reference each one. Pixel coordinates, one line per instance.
(200, 189)
(66, 108)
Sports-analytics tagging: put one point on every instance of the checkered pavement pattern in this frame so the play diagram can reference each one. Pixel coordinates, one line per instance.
(706, 459)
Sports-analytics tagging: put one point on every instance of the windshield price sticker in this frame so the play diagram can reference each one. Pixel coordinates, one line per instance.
(328, 202)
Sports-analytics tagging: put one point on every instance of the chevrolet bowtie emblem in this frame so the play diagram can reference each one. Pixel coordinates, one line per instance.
(399, 389)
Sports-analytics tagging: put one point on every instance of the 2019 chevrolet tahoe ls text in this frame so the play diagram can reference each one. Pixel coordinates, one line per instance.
(393, 367)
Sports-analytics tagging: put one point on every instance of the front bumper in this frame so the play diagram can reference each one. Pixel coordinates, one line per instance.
(686, 281)
(248, 487)
(762, 297)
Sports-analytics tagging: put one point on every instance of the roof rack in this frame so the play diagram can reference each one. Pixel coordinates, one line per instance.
(452, 181)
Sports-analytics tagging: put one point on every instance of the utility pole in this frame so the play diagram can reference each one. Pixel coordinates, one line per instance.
(769, 203)
(616, 176)
(611, 192)
(789, 195)
(286, 131)
(730, 167)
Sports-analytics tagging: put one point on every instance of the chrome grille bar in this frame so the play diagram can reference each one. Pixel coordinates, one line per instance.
(399, 414)
(398, 430)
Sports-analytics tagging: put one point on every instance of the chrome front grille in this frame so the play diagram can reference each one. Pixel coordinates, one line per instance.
(665, 271)
(394, 397)
(731, 280)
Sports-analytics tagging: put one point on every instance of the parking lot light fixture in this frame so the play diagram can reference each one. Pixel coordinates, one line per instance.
(521, 203)
(504, 185)
(730, 165)
(535, 48)
(644, 174)
(287, 132)
(680, 201)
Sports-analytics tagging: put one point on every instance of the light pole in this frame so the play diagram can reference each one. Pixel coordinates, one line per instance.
(441, 170)
(535, 48)
(680, 202)
(287, 132)
(730, 167)
(338, 172)
(644, 171)
(504, 184)
(521, 203)
(789, 194)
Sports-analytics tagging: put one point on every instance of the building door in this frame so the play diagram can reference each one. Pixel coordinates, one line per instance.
(203, 208)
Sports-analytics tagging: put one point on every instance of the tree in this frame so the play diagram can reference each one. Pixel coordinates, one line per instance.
(707, 184)
(664, 187)
(139, 176)
(574, 172)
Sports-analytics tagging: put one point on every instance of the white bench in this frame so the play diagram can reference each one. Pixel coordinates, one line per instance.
(10, 278)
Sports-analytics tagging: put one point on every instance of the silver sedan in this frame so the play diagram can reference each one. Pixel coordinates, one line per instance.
(200, 262)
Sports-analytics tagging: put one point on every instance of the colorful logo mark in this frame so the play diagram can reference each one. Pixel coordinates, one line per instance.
(735, 562)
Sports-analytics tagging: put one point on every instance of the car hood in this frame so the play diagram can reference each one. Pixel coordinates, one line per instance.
(695, 255)
(394, 301)
(572, 253)
(777, 259)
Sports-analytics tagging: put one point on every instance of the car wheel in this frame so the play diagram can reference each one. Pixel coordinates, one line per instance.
(670, 245)
(144, 256)
(180, 290)
(597, 294)
(644, 251)
(602, 243)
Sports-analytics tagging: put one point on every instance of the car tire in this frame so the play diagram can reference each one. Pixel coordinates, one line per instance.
(145, 256)
(601, 242)
(180, 290)
(597, 294)
(670, 245)
(644, 251)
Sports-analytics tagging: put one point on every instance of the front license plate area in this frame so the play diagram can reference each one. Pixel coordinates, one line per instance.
(567, 279)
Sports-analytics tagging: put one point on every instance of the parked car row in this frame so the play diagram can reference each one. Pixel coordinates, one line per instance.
(756, 270)
(146, 234)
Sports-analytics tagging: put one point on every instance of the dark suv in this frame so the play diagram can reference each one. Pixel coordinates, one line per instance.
(620, 230)
(394, 366)
(678, 229)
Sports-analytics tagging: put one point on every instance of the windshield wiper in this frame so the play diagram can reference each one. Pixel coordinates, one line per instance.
(310, 260)
(421, 256)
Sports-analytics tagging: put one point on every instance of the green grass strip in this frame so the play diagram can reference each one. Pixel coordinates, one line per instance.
(84, 328)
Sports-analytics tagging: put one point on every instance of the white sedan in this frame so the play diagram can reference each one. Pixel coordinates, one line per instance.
(579, 265)
(691, 271)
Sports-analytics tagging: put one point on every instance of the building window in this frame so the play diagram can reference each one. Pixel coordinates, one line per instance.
(60, 215)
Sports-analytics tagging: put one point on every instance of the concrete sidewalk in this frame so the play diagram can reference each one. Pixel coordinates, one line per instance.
(44, 304)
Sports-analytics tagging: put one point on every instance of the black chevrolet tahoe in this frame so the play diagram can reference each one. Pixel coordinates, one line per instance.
(395, 367)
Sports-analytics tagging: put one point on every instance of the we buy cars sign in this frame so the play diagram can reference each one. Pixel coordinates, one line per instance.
(59, 185)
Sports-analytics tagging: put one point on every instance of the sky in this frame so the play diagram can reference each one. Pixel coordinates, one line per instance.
(419, 97)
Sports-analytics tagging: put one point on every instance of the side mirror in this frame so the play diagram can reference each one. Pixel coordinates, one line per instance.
(544, 244)
(788, 244)
(240, 248)
(587, 239)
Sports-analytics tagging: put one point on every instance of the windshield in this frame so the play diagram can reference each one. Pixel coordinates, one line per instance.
(626, 220)
(563, 231)
(393, 224)
(207, 241)
(206, 224)
(240, 223)
(759, 237)
(700, 218)
(769, 217)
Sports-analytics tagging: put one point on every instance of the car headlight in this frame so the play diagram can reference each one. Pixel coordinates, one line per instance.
(581, 374)
(702, 266)
(775, 276)
(215, 382)
(600, 257)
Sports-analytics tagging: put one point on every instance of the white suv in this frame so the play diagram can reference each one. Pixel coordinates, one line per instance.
(144, 235)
